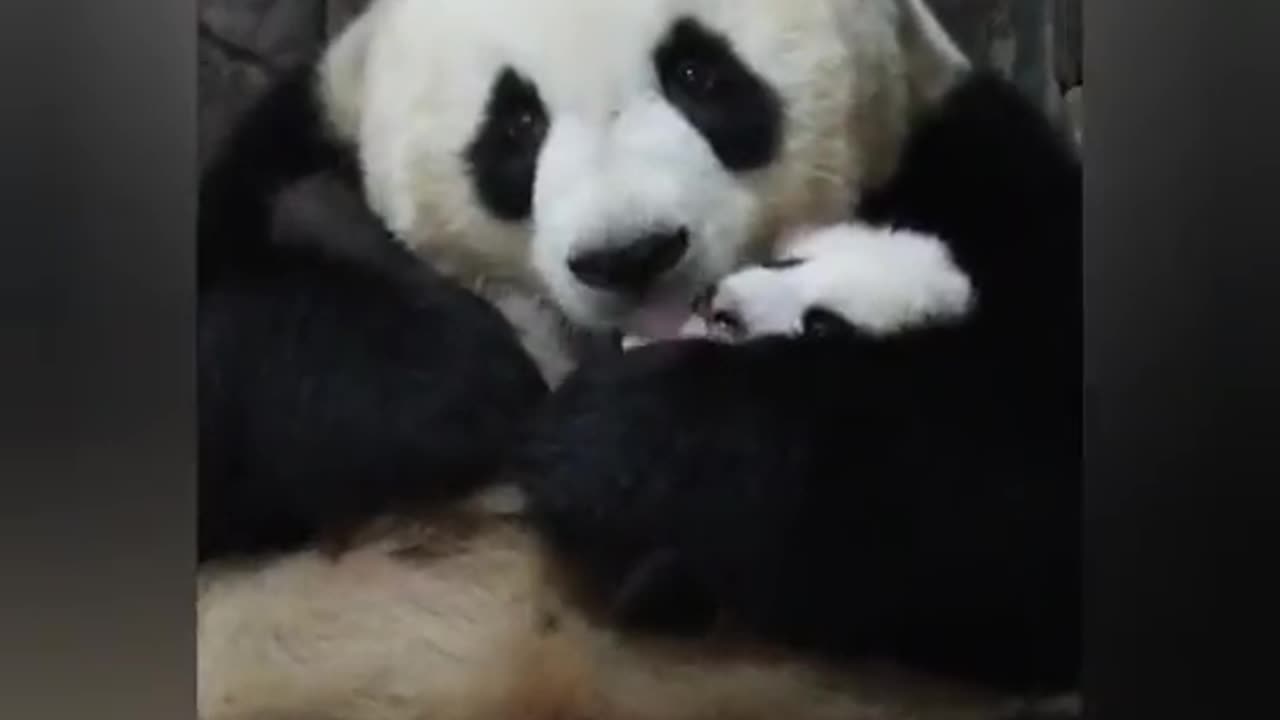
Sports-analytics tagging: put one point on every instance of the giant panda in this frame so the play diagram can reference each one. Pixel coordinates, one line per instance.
(838, 478)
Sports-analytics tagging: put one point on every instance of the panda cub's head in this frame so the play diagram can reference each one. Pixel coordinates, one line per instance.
(615, 158)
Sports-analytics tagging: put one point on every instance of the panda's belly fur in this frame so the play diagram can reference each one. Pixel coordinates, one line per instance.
(462, 619)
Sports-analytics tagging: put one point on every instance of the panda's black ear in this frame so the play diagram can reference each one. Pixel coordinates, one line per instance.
(341, 73)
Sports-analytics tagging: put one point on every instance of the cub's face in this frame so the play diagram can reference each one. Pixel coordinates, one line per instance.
(617, 157)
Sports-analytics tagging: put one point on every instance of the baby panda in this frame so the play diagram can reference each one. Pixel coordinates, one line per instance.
(404, 248)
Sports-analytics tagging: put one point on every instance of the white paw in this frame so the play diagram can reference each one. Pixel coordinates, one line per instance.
(875, 280)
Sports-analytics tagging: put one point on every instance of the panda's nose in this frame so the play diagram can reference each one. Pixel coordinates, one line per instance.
(633, 266)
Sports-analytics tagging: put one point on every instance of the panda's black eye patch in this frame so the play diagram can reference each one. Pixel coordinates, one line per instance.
(734, 109)
(696, 78)
(503, 155)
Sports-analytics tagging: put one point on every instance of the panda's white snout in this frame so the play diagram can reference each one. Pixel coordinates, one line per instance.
(633, 213)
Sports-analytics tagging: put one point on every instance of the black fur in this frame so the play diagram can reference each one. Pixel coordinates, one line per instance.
(633, 266)
(738, 113)
(282, 138)
(503, 156)
(339, 378)
(916, 496)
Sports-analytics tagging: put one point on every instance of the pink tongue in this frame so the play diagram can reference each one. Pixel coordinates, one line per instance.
(659, 320)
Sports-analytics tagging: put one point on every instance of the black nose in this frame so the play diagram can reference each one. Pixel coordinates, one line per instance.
(633, 266)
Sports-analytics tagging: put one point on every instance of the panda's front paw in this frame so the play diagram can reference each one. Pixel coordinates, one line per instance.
(849, 278)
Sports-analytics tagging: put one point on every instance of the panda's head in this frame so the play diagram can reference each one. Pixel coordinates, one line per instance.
(616, 157)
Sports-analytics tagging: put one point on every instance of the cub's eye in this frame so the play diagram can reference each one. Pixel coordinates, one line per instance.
(696, 77)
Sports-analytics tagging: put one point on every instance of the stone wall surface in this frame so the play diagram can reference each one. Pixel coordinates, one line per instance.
(243, 43)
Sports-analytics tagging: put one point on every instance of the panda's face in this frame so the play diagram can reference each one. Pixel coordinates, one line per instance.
(616, 156)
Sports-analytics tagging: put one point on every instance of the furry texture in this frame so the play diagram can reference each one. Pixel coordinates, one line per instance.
(849, 495)
(879, 280)
(729, 121)
(466, 618)
(329, 353)
(915, 494)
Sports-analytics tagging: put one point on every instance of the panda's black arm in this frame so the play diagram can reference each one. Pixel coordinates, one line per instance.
(339, 378)
(1002, 186)
(847, 496)
(333, 391)
(917, 496)
(281, 138)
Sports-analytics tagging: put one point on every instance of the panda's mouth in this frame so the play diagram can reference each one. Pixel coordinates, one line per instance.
(667, 310)
(658, 319)
(661, 319)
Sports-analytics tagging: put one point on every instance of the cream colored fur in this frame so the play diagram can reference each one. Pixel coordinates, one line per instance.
(408, 82)
(464, 616)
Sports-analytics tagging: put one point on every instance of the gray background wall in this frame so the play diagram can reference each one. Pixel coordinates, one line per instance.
(1037, 43)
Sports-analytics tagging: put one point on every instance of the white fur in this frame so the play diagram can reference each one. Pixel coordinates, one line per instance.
(409, 80)
(540, 328)
(879, 280)
(611, 181)
(454, 629)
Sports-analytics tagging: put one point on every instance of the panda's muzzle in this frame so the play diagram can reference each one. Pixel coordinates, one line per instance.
(632, 267)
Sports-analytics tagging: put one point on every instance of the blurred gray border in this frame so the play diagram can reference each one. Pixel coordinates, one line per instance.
(97, 402)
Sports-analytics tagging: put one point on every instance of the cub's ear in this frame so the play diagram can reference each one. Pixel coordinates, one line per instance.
(342, 73)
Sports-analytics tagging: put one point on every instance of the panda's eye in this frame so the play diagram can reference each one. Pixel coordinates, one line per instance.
(696, 77)
(701, 74)
(525, 127)
(502, 157)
